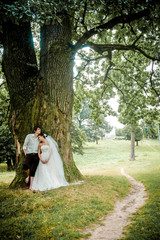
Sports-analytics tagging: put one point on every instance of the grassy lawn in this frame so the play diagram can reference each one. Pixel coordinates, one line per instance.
(146, 223)
(109, 157)
(64, 213)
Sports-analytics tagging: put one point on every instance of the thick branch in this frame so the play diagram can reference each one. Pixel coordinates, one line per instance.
(100, 48)
(92, 59)
(109, 25)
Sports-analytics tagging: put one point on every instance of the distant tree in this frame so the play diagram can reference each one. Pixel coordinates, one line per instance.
(82, 114)
(94, 131)
(150, 129)
(118, 132)
(132, 106)
(7, 146)
(138, 134)
(78, 138)
(139, 96)
(94, 125)
(126, 132)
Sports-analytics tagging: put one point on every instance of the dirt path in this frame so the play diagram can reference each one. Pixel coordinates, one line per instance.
(114, 223)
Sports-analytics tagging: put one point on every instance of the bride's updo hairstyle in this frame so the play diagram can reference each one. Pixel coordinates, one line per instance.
(42, 135)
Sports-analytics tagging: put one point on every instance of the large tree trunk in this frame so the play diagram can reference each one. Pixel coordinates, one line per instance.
(44, 97)
(56, 72)
(132, 154)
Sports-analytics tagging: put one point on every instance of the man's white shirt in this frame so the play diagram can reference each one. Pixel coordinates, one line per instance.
(31, 143)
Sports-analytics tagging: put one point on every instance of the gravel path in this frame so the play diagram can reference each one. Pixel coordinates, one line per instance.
(114, 223)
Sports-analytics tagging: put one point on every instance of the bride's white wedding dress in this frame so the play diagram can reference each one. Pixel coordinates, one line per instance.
(51, 174)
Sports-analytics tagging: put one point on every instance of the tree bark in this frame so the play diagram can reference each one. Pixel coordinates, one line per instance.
(20, 69)
(132, 154)
(56, 72)
(40, 97)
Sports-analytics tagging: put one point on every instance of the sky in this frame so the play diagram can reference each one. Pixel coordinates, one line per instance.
(113, 120)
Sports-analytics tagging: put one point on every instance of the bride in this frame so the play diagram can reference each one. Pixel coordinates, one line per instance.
(50, 172)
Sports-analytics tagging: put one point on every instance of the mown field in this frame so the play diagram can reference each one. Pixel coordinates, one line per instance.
(65, 212)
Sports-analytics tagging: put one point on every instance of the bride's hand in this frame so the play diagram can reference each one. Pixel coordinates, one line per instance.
(43, 161)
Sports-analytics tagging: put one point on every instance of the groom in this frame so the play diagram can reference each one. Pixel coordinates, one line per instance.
(30, 148)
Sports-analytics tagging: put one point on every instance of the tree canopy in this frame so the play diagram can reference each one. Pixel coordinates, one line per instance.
(113, 30)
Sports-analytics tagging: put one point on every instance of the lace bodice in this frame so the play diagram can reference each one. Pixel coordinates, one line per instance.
(44, 148)
(45, 152)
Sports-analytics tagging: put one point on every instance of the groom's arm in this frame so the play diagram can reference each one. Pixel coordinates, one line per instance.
(25, 144)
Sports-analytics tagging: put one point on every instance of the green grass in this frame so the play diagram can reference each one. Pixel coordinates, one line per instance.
(110, 155)
(60, 213)
(65, 212)
(146, 168)
(146, 222)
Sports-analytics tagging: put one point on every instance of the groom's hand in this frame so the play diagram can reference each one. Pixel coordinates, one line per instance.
(25, 151)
